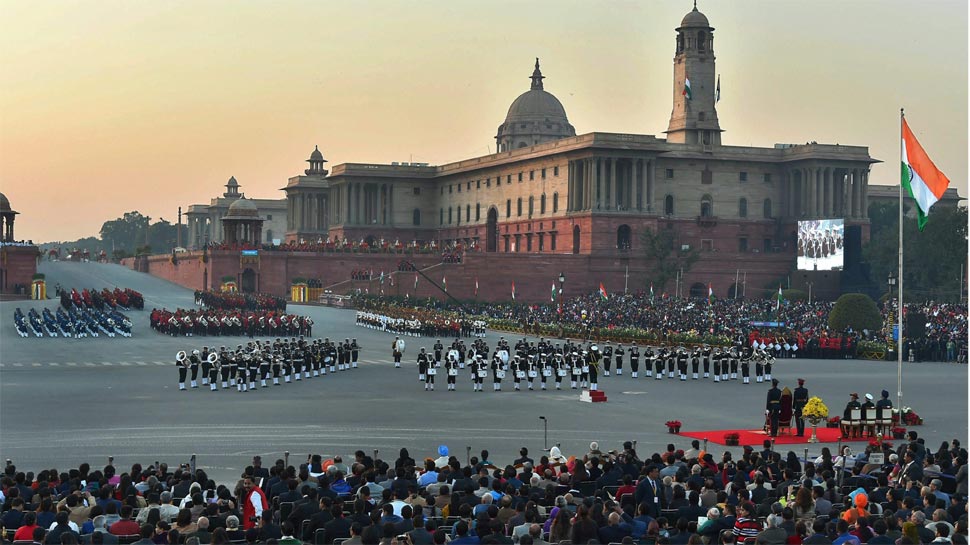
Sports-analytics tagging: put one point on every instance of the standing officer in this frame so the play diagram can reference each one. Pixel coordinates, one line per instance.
(423, 367)
(607, 359)
(773, 406)
(354, 353)
(397, 350)
(799, 399)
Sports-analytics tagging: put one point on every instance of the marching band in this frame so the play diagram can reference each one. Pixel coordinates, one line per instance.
(283, 361)
(542, 362)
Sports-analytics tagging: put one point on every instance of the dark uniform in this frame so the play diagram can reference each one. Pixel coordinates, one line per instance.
(593, 362)
(799, 399)
(618, 355)
(847, 416)
(423, 360)
(607, 359)
(773, 407)
(354, 353)
(635, 361)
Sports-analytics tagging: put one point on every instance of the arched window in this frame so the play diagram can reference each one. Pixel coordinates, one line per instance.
(450, 215)
(468, 213)
(701, 40)
(707, 206)
(669, 205)
(416, 216)
(767, 209)
(532, 207)
(508, 208)
(698, 289)
(478, 211)
(555, 202)
(518, 207)
(269, 235)
(743, 208)
(458, 213)
(542, 204)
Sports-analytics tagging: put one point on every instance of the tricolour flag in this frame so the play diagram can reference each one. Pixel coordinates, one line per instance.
(687, 92)
(382, 277)
(778, 304)
(513, 290)
(415, 281)
(651, 292)
(920, 177)
(552, 297)
(717, 92)
(603, 294)
(476, 286)
(710, 293)
(444, 283)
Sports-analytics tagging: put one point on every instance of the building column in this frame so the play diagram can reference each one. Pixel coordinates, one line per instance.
(613, 201)
(853, 196)
(569, 186)
(638, 182)
(651, 180)
(864, 202)
(587, 177)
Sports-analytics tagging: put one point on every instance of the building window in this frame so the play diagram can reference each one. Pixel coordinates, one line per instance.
(531, 205)
(767, 209)
(508, 208)
(707, 245)
(743, 208)
(478, 211)
(668, 173)
(488, 182)
(458, 214)
(543, 174)
(743, 244)
(767, 243)
(269, 235)
(520, 176)
(743, 176)
(468, 213)
(269, 217)
(707, 206)
(478, 184)
(532, 175)
(416, 217)
(508, 179)
(469, 186)
(542, 204)
(552, 241)
(441, 216)
(518, 207)
(459, 187)
(669, 205)
(767, 177)
(442, 190)
(449, 215)
(555, 203)
(555, 171)
(417, 191)
(451, 189)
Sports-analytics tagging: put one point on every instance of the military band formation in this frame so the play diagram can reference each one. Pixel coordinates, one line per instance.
(543, 362)
(258, 364)
(190, 323)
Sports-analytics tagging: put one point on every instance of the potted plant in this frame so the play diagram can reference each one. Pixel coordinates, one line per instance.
(732, 439)
(834, 422)
(815, 411)
(899, 432)
(673, 426)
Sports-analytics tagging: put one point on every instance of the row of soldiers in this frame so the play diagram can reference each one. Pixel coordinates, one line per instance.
(531, 362)
(282, 360)
(203, 323)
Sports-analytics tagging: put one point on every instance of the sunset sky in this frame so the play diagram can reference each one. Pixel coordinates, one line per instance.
(111, 106)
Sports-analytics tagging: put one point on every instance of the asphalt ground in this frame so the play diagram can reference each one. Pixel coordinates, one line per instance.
(67, 401)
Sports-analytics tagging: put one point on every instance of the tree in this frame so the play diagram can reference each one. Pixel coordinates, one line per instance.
(126, 232)
(855, 310)
(660, 249)
(931, 259)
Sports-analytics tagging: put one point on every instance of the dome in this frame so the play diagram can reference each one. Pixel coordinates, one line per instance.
(535, 117)
(4, 204)
(536, 104)
(695, 19)
(316, 155)
(243, 208)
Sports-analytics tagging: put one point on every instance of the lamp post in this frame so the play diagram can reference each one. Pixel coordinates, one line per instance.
(545, 433)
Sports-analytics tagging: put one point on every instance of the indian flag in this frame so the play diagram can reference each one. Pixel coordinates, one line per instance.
(476, 286)
(651, 292)
(778, 304)
(603, 294)
(710, 293)
(444, 282)
(513, 290)
(687, 92)
(920, 177)
(553, 295)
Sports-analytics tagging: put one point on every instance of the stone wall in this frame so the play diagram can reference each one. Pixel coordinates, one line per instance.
(18, 264)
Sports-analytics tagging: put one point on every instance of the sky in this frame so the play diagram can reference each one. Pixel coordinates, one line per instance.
(110, 106)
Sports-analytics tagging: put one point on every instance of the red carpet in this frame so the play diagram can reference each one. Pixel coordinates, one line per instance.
(757, 437)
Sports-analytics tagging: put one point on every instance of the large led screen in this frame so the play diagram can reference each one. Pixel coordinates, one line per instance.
(820, 245)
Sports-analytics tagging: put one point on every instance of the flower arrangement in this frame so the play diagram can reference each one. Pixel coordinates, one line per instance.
(834, 422)
(815, 410)
(910, 418)
(673, 426)
(732, 439)
(899, 432)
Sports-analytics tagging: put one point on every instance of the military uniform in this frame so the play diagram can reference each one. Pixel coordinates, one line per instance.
(799, 399)
(773, 407)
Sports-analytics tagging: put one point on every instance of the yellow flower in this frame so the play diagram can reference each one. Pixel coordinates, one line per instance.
(815, 408)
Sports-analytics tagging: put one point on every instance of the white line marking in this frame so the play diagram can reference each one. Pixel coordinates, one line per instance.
(54, 364)
(35, 364)
(71, 364)
(125, 364)
(107, 363)
(89, 364)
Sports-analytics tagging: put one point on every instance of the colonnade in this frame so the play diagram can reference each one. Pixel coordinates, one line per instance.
(611, 183)
(826, 192)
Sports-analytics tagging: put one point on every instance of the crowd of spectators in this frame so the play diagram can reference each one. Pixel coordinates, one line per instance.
(219, 300)
(616, 496)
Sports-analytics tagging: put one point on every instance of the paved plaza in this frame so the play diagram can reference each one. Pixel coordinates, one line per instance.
(65, 401)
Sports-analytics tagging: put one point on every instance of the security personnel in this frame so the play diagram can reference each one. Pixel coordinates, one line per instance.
(607, 359)
(773, 406)
(397, 350)
(799, 399)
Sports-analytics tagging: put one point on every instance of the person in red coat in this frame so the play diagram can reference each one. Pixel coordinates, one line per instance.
(253, 504)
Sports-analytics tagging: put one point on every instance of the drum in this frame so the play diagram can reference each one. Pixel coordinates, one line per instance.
(483, 373)
(547, 372)
(520, 374)
(432, 371)
(561, 372)
(452, 372)
(533, 374)
(577, 371)
(586, 369)
(500, 374)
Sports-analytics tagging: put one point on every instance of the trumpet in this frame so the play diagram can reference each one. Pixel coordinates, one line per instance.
(180, 356)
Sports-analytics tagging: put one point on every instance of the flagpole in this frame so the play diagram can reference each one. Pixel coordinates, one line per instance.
(899, 320)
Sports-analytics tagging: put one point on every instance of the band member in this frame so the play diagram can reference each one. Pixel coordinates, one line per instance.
(575, 369)
(635, 361)
(695, 362)
(716, 364)
(671, 362)
(682, 357)
(799, 400)
(438, 349)
(545, 369)
(204, 359)
(397, 350)
(194, 367)
(297, 361)
(532, 370)
(769, 360)
(498, 373)
(333, 356)
(346, 355)
(228, 366)
(183, 366)
(746, 366)
(560, 368)
(725, 364)
(451, 368)
(734, 363)
(354, 353)
(607, 359)
(253, 370)
(593, 363)
(759, 363)
(423, 366)
(658, 363)
(430, 372)
(618, 356)
(214, 363)
(518, 370)
(479, 369)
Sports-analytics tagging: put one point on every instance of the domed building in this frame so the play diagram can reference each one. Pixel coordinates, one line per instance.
(205, 220)
(18, 260)
(242, 224)
(535, 117)
(7, 217)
